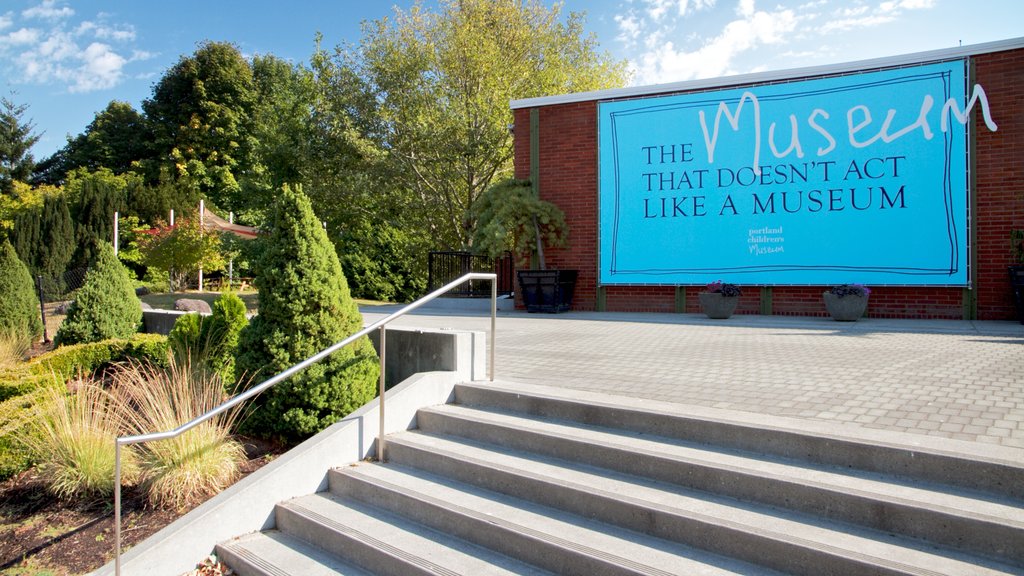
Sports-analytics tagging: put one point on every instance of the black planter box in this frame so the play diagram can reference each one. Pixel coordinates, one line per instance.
(547, 290)
(1017, 284)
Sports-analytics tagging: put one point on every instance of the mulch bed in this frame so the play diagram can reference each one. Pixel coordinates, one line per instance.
(40, 534)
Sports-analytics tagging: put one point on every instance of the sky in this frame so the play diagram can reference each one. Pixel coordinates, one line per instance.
(67, 59)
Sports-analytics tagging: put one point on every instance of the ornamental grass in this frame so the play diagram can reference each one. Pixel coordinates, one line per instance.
(181, 471)
(13, 347)
(72, 439)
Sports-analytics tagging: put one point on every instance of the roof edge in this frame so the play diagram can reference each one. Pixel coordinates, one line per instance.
(760, 77)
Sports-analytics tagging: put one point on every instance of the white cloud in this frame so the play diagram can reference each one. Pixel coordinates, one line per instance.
(85, 56)
(754, 28)
(865, 16)
(102, 32)
(138, 55)
(101, 68)
(846, 24)
(20, 37)
(48, 10)
(116, 34)
(629, 28)
(656, 9)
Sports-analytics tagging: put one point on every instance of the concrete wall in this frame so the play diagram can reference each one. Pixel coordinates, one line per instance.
(160, 321)
(567, 139)
(411, 351)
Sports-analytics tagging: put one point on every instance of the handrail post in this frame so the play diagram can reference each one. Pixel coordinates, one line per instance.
(383, 353)
(117, 507)
(494, 321)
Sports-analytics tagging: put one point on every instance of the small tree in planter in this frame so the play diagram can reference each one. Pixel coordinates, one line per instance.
(510, 217)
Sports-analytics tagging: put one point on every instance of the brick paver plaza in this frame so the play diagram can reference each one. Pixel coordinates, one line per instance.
(956, 379)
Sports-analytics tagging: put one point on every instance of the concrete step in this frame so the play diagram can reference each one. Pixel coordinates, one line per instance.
(385, 543)
(552, 539)
(934, 513)
(998, 478)
(274, 553)
(519, 479)
(769, 537)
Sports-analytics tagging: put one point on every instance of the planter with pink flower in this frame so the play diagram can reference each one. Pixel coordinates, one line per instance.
(719, 299)
(847, 302)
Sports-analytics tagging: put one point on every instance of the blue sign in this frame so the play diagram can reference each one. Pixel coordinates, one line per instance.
(859, 178)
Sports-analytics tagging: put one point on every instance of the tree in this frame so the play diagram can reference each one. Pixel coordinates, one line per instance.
(19, 306)
(105, 306)
(16, 141)
(117, 139)
(280, 132)
(305, 306)
(181, 250)
(45, 240)
(200, 114)
(372, 220)
(95, 196)
(444, 81)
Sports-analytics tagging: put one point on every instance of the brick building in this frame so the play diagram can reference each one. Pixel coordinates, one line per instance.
(559, 139)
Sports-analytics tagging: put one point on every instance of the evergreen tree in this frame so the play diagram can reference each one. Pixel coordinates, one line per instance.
(19, 306)
(44, 239)
(105, 307)
(16, 140)
(97, 196)
(26, 236)
(55, 252)
(305, 306)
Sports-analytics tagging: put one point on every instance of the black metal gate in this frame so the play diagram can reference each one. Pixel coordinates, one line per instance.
(444, 267)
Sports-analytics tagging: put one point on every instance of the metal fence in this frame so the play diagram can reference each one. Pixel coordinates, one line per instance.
(55, 293)
(445, 266)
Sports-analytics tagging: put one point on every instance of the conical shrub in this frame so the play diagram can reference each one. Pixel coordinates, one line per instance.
(19, 305)
(304, 307)
(105, 306)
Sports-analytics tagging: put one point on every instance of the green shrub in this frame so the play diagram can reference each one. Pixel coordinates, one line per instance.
(105, 307)
(19, 304)
(304, 307)
(184, 340)
(222, 330)
(210, 342)
(22, 387)
(91, 357)
(14, 458)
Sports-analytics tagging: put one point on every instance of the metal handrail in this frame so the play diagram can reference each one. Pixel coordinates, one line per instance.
(236, 400)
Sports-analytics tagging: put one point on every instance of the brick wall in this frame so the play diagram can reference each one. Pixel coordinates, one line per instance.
(999, 193)
(568, 177)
